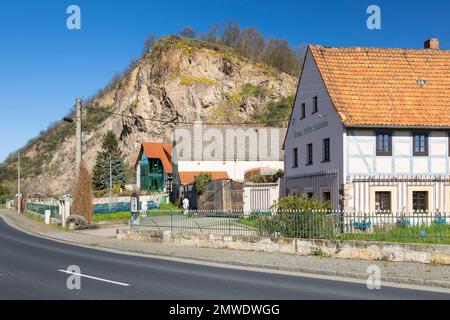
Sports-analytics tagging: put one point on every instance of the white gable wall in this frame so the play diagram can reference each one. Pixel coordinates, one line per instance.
(326, 123)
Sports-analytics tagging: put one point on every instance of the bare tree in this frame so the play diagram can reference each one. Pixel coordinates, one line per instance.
(230, 33)
(250, 43)
(149, 43)
(212, 34)
(188, 32)
(203, 36)
(279, 54)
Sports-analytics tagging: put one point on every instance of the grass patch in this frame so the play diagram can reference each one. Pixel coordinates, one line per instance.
(439, 234)
(248, 222)
(319, 253)
(188, 46)
(231, 109)
(124, 216)
(34, 216)
(169, 206)
(160, 212)
(324, 228)
(40, 219)
(116, 216)
(251, 90)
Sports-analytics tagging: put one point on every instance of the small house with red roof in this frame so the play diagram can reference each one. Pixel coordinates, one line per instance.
(154, 167)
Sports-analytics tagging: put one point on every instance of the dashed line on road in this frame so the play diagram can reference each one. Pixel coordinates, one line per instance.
(95, 278)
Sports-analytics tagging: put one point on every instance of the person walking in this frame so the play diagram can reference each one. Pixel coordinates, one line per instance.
(185, 206)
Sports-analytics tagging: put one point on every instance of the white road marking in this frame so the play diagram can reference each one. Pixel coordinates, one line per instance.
(95, 278)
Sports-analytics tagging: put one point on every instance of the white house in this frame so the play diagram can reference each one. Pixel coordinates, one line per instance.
(226, 152)
(370, 129)
(236, 151)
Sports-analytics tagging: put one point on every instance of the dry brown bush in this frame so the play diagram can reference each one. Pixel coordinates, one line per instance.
(82, 194)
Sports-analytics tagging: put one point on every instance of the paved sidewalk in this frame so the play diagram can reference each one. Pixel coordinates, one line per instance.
(399, 272)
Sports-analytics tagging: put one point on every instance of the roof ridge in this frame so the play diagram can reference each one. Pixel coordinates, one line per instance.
(374, 48)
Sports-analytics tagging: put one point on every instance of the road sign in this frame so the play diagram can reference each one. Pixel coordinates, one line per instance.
(134, 204)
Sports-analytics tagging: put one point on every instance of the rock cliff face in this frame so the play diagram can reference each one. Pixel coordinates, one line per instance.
(179, 80)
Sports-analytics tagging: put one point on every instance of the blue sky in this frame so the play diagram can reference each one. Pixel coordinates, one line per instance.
(44, 66)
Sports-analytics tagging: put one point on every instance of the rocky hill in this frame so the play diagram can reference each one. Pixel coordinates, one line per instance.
(178, 80)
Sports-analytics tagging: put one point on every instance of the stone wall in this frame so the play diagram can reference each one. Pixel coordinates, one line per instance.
(424, 253)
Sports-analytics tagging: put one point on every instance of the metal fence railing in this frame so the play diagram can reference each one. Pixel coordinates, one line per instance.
(336, 225)
(40, 208)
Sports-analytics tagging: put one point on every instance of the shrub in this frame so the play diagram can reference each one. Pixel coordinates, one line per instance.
(296, 218)
(259, 178)
(189, 81)
(319, 253)
(305, 225)
(116, 188)
(301, 203)
(80, 222)
(101, 193)
(276, 112)
(251, 90)
(201, 181)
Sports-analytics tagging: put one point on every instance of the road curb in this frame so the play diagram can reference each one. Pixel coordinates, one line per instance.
(262, 267)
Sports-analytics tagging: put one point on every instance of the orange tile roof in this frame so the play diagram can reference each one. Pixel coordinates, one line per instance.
(382, 87)
(162, 151)
(188, 177)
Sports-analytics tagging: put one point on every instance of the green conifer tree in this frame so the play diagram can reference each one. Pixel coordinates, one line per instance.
(110, 153)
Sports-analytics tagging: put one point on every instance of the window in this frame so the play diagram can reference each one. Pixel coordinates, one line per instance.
(309, 154)
(309, 195)
(326, 196)
(295, 152)
(420, 144)
(420, 200)
(303, 111)
(326, 150)
(152, 177)
(315, 105)
(383, 201)
(384, 143)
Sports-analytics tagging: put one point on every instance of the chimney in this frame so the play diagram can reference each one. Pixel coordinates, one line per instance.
(432, 44)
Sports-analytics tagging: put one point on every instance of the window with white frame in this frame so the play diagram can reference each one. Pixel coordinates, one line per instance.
(383, 201)
(420, 201)
(420, 144)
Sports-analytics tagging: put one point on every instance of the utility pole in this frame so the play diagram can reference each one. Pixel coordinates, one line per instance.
(19, 196)
(79, 137)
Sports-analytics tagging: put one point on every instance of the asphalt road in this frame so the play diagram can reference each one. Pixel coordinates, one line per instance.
(29, 270)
